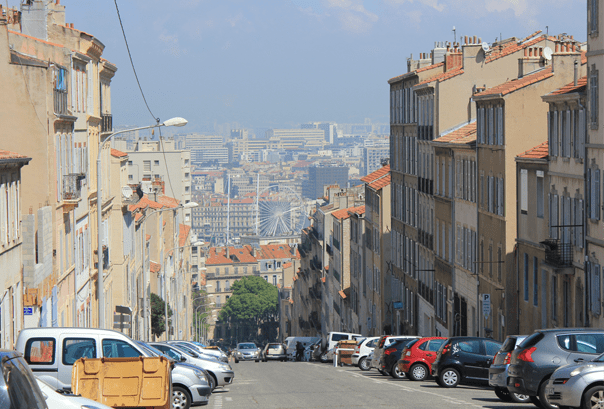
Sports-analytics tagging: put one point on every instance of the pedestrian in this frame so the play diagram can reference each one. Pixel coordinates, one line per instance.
(299, 351)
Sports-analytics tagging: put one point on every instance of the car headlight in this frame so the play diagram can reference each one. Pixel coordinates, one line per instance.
(225, 367)
(200, 375)
(580, 369)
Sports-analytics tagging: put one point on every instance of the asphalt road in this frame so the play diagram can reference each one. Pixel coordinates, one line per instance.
(292, 385)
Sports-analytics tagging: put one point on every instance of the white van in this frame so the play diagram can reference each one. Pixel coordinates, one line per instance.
(291, 342)
(332, 341)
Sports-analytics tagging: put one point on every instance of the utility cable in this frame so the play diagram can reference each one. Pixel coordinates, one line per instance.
(132, 62)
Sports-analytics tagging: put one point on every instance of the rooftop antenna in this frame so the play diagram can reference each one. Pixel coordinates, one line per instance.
(547, 52)
(454, 35)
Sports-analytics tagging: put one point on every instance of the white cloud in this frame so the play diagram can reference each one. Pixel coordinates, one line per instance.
(518, 6)
(352, 14)
(435, 4)
(172, 44)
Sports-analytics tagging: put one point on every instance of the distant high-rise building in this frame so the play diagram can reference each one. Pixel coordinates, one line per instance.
(374, 156)
(324, 175)
(206, 148)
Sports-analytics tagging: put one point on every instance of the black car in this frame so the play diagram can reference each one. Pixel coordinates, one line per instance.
(539, 355)
(464, 360)
(18, 387)
(391, 355)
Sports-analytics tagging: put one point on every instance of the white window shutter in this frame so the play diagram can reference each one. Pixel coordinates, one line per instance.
(555, 134)
(581, 136)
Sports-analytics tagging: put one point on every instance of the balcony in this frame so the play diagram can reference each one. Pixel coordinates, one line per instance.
(72, 186)
(106, 123)
(60, 102)
(558, 254)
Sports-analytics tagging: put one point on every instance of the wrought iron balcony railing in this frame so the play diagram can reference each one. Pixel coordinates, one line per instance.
(557, 253)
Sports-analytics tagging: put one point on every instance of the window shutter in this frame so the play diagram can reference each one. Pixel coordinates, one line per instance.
(582, 223)
(491, 126)
(588, 199)
(555, 134)
(566, 219)
(555, 217)
(550, 198)
(549, 135)
(500, 197)
(499, 125)
(490, 194)
(567, 137)
(597, 195)
(597, 301)
(581, 136)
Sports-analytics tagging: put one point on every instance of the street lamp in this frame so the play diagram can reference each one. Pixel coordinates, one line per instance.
(144, 246)
(99, 203)
(197, 318)
(197, 243)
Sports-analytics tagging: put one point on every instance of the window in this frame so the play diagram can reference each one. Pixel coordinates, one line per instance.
(130, 177)
(274, 280)
(40, 351)
(593, 96)
(76, 348)
(469, 346)
(218, 286)
(535, 282)
(114, 348)
(147, 166)
(227, 286)
(218, 304)
(523, 191)
(540, 194)
(129, 163)
(593, 17)
(526, 279)
(156, 162)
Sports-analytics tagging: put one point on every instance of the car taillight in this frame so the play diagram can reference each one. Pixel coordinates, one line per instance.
(357, 349)
(445, 349)
(526, 354)
(507, 358)
(389, 351)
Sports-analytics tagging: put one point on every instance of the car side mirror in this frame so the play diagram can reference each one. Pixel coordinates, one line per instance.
(183, 359)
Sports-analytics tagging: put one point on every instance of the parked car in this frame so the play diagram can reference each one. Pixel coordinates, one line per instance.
(18, 387)
(221, 373)
(360, 357)
(291, 342)
(384, 342)
(577, 385)
(56, 400)
(216, 353)
(391, 356)
(191, 385)
(539, 355)
(246, 351)
(464, 360)
(417, 358)
(498, 372)
(274, 351)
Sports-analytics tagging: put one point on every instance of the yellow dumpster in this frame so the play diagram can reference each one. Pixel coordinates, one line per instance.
(124, 382)
(345, 351)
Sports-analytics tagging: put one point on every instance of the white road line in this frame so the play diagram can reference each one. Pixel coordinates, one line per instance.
(217, 401)
(228, 399)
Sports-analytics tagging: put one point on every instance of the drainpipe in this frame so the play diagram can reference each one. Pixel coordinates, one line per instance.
(585, 216)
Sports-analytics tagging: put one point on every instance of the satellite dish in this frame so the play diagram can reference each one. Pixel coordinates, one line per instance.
(127, 192)
(547, 53)
(485, 47)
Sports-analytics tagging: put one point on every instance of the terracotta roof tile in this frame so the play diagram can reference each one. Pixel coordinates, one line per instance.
(5, 155)
(373, 176)
(286, 265)
(512, 47)
(443, 76)
(380, 183)
(118, 154)
(155, 267)
(518, 83)
(568, 88)
(358, 210)
(167, 201)
(183, 233)
(143, 203)
(538, 152)
(423, 69)
(463, 135)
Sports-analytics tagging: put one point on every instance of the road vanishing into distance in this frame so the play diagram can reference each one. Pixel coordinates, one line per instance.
(307, 385)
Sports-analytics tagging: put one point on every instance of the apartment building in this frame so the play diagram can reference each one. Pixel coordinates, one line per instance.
(594, 224)
(506, 115)
(59, 102)
(321, 176)
(11, 243)
(296, 139)
(206, 148)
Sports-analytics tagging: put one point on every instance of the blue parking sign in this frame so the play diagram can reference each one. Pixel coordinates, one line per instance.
(28, 311)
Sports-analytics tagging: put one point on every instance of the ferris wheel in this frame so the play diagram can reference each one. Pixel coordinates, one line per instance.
(280, 211)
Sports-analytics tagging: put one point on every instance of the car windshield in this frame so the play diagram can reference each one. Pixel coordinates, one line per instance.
(186, 350)
(151, 350)
(247, 346)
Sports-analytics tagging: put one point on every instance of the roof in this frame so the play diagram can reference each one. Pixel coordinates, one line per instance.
(8, 156)
(463, 135)
(380, 183)
(358, 210)
(155, 267)
(236, 255)
(183, 233)
(568, 88)
(167, 201)
(443, 76)
(407, 74)
(373, 176)
(342, 294)
(286, 265)
(118, 154)
(538, 152)
(498, 52)
(517, 83)
(344, 214)
(144, 203)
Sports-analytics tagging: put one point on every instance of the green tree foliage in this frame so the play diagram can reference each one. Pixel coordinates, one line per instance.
(253, 305)
(158, 312)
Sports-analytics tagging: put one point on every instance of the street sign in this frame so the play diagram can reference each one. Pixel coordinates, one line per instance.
(486, 305)
(28, 311)
(397, 305)
(117, 318)
(121, 309)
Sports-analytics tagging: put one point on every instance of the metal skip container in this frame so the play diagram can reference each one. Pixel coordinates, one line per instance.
(124, 382)
(345, 351)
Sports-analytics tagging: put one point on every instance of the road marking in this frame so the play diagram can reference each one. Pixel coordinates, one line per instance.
(228, 399)
(217, 402)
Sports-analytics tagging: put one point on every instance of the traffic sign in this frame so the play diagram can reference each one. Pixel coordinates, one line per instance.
(486, 305)
(28, 311)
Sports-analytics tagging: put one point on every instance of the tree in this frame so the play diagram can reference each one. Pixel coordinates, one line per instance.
(253, 307)
(158, 315)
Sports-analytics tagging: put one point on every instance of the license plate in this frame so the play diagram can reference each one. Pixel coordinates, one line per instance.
(549, 391)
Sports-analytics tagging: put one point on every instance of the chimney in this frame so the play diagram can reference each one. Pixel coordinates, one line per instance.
(228, 251)
(576, 72)
(439, 52)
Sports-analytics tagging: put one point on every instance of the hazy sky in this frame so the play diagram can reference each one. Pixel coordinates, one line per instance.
(280, 63)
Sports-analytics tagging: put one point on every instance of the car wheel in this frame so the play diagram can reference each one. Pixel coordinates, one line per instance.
(545, 403)
(396, 372)
(594, 397)
(438, 382)
(212, 381)
(449, 377)
(180, 398)
(323, 357)
(520, 398)
(364, 364)
(418, 372)
(236, 360)
(383, 372)
(503, 394)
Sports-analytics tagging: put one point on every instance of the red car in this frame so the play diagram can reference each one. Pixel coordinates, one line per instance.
(416, 359)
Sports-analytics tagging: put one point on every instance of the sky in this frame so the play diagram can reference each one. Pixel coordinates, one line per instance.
(280, 63)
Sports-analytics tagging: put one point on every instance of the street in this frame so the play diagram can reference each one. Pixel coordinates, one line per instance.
(314, 385)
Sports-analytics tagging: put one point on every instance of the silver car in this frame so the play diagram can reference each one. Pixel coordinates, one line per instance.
(221, 373)
(246, 351)
(578, 385)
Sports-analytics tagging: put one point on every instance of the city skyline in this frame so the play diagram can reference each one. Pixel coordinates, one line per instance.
(279, 64)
